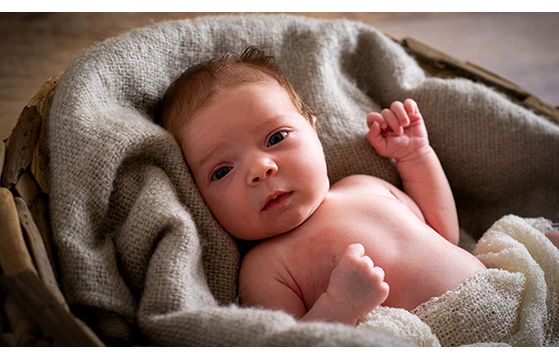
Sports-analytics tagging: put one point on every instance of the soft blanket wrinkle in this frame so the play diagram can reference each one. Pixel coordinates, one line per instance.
(137, 246)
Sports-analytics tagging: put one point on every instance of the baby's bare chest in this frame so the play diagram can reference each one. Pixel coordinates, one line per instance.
(381, 223)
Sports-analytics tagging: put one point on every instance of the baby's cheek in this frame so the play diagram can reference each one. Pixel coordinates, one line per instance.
(312, 168)
(224, 208)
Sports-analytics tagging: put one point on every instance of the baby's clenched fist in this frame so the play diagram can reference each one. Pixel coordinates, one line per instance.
(356, 284)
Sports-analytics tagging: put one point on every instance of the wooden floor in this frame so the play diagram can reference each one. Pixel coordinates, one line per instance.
(522, 47)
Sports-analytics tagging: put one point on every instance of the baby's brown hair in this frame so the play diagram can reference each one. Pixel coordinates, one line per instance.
(188, 93)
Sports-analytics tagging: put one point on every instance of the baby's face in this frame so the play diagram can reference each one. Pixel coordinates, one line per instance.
(258, 163)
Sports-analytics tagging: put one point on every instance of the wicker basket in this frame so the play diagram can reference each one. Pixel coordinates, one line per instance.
(32, 308)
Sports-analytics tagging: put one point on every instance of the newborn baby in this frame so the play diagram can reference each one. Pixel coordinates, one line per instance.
(325, 253)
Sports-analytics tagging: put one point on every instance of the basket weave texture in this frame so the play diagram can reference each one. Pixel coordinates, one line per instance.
(34, 311)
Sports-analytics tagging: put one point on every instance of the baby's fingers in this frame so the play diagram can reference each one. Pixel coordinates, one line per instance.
(375, 137)
(400, 112)
(373, 117)
(412, 109)
(355, 249)
(379, 272)
(392, 122)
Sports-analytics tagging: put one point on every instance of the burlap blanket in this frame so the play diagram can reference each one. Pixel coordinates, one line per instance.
(142, 259)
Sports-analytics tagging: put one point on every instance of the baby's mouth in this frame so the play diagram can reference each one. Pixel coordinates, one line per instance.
(276, 199)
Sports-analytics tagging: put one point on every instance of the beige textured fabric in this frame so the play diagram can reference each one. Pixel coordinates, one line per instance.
(519, 245)
(139, 252)
(482, 309)
(400, 323)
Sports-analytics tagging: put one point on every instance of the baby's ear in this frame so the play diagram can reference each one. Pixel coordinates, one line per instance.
(313, 121)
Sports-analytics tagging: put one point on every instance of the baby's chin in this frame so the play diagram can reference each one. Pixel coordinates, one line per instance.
(279, 228)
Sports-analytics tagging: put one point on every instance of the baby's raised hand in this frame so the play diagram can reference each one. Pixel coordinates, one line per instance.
(356, 285)
(398, 132)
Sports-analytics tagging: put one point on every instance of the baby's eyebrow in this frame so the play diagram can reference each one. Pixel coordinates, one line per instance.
(208, 156)
(277, 119)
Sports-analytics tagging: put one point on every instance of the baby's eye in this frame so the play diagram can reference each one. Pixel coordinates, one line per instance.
(220, 173)
(276, 138)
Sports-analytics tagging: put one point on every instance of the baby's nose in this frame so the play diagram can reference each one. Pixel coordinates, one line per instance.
(262, 171)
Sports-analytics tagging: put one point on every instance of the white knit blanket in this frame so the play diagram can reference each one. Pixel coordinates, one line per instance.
(141, 258)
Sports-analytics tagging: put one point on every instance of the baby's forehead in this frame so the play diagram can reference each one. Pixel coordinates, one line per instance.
(218, 102)
(245, 92)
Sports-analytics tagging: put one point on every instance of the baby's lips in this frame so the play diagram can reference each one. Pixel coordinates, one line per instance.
(277, 195)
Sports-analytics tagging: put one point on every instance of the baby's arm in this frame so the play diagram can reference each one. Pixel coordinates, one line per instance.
(355, 288)
(400, 133)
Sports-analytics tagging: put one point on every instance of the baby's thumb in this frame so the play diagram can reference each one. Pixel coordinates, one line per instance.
(374, 136)
(355, 250)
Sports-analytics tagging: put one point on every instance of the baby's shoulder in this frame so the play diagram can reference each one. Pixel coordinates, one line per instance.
(264, 269)
(361, 182)
(264, 256)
